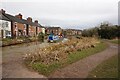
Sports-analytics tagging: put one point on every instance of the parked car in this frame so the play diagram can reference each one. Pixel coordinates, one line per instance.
(53, 38)
(50, 38)
(8, 36)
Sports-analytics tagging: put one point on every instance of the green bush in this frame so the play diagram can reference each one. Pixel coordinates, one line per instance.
(41, 37)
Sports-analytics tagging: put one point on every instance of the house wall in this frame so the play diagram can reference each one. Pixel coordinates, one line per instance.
(48, 31)
(79, 32)
(5, 28)
(39, 30)
(43, 30)
(73, 32)
(56, 31)
(32, 30)
(19, 29)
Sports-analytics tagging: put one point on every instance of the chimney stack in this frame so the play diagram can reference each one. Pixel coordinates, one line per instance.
(2, 11)
(36, 21)
(29, 19)
(19, 16)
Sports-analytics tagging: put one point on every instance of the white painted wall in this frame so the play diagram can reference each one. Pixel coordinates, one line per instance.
(43, 30)
(5, 26)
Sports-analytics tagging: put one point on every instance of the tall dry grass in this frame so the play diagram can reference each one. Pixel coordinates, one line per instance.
(59, 51)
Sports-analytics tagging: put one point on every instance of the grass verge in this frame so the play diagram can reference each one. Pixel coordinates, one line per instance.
(115, 41)
(107, 69)
(73, 57)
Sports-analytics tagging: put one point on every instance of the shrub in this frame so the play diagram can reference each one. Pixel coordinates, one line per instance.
(41, 37)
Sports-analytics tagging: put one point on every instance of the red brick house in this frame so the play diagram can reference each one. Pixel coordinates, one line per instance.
(54, 30)
(32, 28)
(19, 26)
(39, 28)
(73, 32)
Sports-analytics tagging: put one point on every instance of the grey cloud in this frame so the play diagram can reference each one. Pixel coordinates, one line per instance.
(66, 13)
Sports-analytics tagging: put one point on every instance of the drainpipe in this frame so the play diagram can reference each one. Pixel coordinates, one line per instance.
(12, 29)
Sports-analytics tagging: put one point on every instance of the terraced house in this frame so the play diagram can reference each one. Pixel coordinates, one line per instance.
(71, 32)
(54, 30)
(15, 26)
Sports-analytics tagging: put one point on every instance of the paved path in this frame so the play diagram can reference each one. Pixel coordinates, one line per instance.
(12, 62)
(81, 68)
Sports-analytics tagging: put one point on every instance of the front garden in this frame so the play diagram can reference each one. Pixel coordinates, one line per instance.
(22, 39)
(19, 40)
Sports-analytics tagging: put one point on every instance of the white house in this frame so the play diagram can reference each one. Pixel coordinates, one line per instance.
(5, 29)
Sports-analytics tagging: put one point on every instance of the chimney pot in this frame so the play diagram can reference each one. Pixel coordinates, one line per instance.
(36, 21)
(29, 19)
(19, 16)
(2, 10)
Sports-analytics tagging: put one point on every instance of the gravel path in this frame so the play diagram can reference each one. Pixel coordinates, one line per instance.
(81, 68)
(12, 62)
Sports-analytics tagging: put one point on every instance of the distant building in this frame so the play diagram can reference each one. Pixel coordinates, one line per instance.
(71, 32)
(14, 26)
(54, 30)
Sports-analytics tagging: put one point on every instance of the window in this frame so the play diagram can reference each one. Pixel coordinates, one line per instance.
(8, 33)
(24, 32)
(5, 25)
(20, 32)
(25, 27)
(15, 24)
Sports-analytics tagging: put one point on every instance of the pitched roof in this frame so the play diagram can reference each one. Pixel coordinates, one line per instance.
(2, 17)
(74, 29)
(53, 27)
(9, 17)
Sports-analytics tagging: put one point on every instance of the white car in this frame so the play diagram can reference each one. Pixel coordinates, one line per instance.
(55, 38)
(8, 35)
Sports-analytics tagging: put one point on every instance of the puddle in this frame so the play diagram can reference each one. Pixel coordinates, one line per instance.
(114, 46)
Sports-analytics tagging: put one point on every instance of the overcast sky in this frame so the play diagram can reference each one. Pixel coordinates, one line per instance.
(78, 14)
